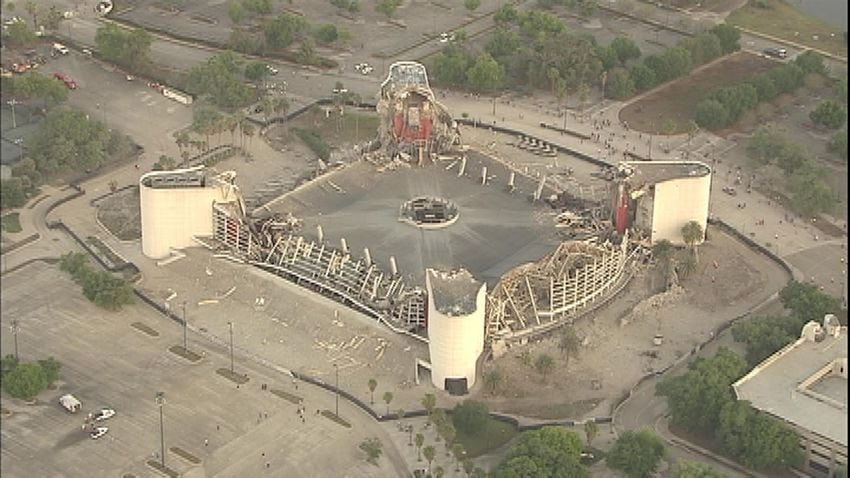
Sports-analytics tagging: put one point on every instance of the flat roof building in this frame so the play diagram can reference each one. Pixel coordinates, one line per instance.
(805, 385)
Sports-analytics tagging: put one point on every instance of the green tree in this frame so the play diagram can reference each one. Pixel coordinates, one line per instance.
(692, 233)
(373, 384)
(544, 364)
(838, 144)
(165, 163)
(7, 364)
(626, 49)
(306, 52)
(830, 114)
(25, 382)
(619, 85)
(503, 43)
(493, 379)
(387, 7)
(486, 74)
(439, 472)
(810, 193)
(388, 397)
(756, 440)
(12, 193)
(284, 29)
(808, 303)
(472, 5)
(636, 453)
(326, 34)
(256, 71)
(548, 452)
(419, 441)
(373, 449)
(693, 469)
(642, 77)
(696, 397)
(811, 62)
(729, 37)
(590, 431)
(470, 417)
(764, 336)
(506, 15)
(217, 80)
(458, 452)
(51, 369)
(568, 344)
(235, 11)
(429, 401)
(128, 48)
(468, 467)
(19, 34)
(711, 114)
(429, 453)
(686, 263)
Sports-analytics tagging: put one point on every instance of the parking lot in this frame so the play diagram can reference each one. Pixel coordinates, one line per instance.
(106, 362)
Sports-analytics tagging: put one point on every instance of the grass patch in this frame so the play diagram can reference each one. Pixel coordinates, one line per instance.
(185, 455)
(782, 20)
(565, 410)
(313, 139)
(294, 399)
(356, 125)
(334, 418)
(164, 470)
(11, 222)
(185, 353)
(237, 378)
(492, 436)
(675, 104)
(145, 329)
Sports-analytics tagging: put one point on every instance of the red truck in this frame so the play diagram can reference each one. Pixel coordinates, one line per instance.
(71, 84)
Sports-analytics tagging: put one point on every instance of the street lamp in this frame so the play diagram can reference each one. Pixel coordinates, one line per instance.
(231, 346)
(12, 103)
(336, 369)
(160, 400)
(14, 328)
(185, 342)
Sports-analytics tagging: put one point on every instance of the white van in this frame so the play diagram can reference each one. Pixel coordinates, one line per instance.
(70, 403)
(60, 48)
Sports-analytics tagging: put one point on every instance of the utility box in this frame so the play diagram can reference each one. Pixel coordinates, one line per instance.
(70, 403)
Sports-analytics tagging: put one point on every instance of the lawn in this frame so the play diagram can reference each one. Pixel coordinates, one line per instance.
(11, 222)
(784, 21)
(674, 105)
(356, 126)
(492, 436)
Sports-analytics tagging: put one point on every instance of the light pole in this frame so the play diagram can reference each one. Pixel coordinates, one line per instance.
(231, 346)
(336, 369)
(12, 103)
(160, 400)
(14, 328)
(185, 342)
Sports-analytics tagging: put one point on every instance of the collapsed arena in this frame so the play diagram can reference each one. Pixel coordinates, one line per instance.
(441, 243)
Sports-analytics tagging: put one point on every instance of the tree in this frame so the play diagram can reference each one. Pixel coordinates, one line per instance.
(568, 344)
(217, 79)
(284, 29)
(619, 85)
(32, 9)
(419, 441)
(429, 401)
(256, 71)
(439, 418)
(626, 49)
(387, 7)
(838, 144)
(503, 43)
(388, 397)
(711, 114)
(696, 397)
(7, 364)
(373, 449)
(165, 163)
(692, 233)
(486, 74)
(830, 114)
(236, 12)
(470, 416)
(18, 33)
(590, 431)
(548, 452)
(326, 34)
(810, 193)
(693, 469)
(25, 381)
(493, 378)
(458, 452)
(306, 52)
(429, 453)
(642, 77)
(811, 62)
(128, 48)
(472, 5)
(506, 15)
(729, 37)
(544, 364)
(764, 336)
(449, 433)
(636, 453)
(468, 466)
(373, 384)
(808, 303)
(756, 440)
(439, 472)
(686, 263)
(13, 194)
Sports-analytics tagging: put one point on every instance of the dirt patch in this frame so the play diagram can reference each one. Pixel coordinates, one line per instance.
(145, 329)
(185, 455)
(353, 127)
(187, 354)
(237, 378)
(120, 214)
(676, 103)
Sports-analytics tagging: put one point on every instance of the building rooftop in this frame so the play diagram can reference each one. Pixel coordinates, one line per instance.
(654, 172)
(805, 383)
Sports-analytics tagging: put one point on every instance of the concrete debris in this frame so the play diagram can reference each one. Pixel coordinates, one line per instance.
(171, 296)
(650, 305)
(208, 302)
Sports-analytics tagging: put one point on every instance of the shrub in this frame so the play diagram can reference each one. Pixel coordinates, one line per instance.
(470, 416)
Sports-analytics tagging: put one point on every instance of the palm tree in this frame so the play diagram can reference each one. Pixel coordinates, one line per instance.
(458, 452)
(429, 401)
(449, 433)
(373, 384)
(429, 453)
(439, 472)
(590, 430)
(544, 364)
(686, 263)
(663, 252)
(494, 378)
(248, 130)
(569, 344)
(280, 106)
(692, 233)
(419, 440)
(388, 397)
(400, 413)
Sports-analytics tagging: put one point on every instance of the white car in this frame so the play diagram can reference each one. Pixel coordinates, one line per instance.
(446, 37)
(103, 414)
(272, 70)
(98, 432)
(366, 69)
(340, 90)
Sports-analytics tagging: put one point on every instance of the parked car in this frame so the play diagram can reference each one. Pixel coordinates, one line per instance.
(272, 70)
(102, 414)
(70, 403)
(98, 432)
(776, 52)
(60, 49)
(87, 52)
(337, 91)
(71, 84)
